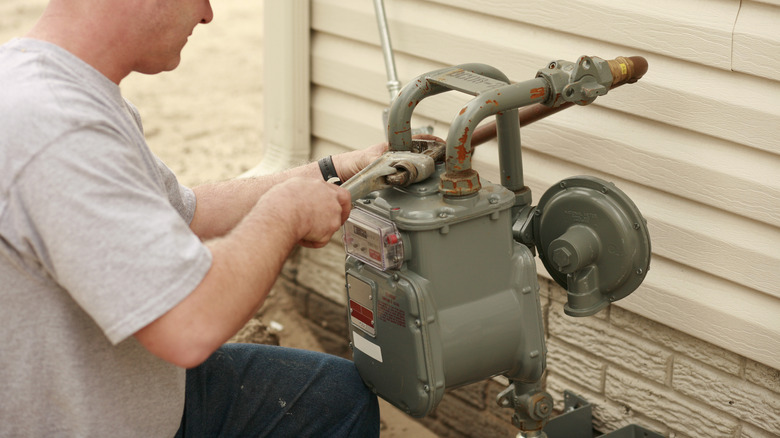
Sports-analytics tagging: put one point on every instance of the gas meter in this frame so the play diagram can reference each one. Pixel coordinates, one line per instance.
(440, 272)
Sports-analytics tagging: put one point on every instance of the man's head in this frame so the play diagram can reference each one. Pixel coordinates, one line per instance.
(121, 36)
(164, 31)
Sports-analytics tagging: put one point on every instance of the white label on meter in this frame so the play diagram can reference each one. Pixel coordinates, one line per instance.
(371, 349)
(373, 240)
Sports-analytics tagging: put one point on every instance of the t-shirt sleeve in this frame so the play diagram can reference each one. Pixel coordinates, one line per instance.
(99, 216)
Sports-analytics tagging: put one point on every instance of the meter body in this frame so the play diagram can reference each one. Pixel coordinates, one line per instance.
(460, 305)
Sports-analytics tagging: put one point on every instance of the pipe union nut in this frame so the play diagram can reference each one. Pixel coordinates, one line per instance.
(461, 183)
(541, 406)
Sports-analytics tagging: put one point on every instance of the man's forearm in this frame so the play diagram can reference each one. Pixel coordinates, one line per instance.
(245, 265)
(222, 205)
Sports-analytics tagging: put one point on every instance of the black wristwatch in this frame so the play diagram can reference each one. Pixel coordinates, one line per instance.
(329, 170)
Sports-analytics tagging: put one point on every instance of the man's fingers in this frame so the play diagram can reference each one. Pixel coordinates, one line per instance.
(345, 200)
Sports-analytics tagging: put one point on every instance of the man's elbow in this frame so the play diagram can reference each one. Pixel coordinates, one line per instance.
(174, 347)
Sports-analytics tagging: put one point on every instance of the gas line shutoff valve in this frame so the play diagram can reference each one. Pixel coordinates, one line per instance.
(440, 272)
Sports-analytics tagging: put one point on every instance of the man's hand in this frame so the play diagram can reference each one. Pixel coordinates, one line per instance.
(308, 208)
(350, 163)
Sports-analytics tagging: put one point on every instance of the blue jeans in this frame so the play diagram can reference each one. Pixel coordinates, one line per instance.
(252, 390)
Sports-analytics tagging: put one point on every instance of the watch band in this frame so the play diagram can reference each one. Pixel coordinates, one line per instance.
(328, 170)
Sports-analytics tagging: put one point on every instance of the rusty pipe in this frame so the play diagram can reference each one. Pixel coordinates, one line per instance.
(399, 132)
(625, 70)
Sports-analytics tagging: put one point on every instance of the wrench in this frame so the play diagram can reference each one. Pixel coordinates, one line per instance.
(375, 176)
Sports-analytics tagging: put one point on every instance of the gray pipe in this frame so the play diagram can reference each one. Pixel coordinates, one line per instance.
(399, 132)
(393, 84)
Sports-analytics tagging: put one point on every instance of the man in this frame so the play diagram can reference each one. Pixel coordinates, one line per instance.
(114, 279)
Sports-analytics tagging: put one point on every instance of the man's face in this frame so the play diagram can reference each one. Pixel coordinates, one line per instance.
(165, 29)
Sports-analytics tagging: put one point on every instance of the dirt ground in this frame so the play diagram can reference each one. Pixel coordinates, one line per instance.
(204, 119)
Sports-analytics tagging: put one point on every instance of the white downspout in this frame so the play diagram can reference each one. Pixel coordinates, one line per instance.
(286, 86)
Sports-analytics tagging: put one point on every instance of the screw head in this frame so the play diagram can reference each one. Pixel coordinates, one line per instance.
(542, 408)
(561, 257)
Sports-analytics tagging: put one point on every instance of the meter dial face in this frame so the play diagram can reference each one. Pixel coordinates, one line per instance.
(373, 240)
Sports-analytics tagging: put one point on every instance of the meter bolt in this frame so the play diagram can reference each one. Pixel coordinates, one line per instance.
(561, 257)
(541, 405)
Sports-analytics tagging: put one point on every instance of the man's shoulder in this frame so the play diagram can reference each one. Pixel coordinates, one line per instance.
(47, 95)
(33, 68)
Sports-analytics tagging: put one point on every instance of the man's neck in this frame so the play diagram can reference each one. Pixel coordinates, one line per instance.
(85, 39)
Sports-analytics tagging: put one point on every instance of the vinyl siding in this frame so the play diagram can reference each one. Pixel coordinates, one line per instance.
(694, 143)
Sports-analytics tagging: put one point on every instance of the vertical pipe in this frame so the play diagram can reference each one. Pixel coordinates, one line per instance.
(286, 119)
(393, 84)
(510, 157)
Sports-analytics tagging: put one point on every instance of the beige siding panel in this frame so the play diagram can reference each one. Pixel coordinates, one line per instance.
(700, 168)
(686, 298)
(723, 314)
(362, 72)
(720, 175)
(693, 144)
(696, 30)
(322, 148)
(734, 107)
(731, 106)
(710, 238)
(757, 40)
(339, 117)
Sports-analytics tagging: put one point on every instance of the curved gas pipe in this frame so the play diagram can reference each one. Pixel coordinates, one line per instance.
(399, 131)
(458, 163)
(580, 82)
(460, 179)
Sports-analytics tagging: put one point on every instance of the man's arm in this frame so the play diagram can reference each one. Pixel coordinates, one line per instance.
(246, 262)
(221, 206)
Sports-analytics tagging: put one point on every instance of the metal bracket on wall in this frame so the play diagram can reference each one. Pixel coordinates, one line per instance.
(576, 421)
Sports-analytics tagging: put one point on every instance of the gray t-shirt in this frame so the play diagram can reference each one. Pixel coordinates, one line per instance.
(94, 245)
